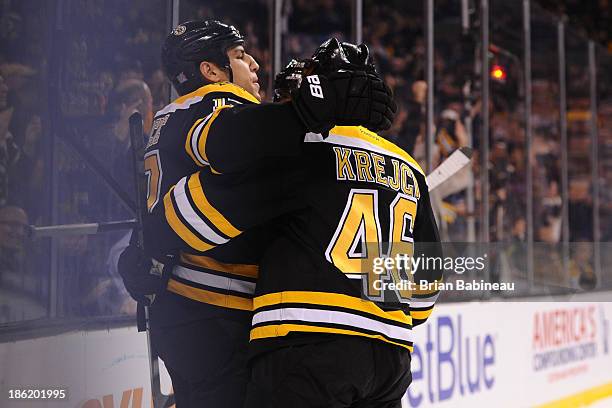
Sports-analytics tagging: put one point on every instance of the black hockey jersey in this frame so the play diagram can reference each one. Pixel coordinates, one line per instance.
(349, 197)
(198, 131)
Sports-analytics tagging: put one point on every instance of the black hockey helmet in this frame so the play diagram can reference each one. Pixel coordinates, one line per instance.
(331, 56)
(192, 42)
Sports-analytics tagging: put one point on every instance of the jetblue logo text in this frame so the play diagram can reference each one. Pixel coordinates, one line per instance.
(451, 363)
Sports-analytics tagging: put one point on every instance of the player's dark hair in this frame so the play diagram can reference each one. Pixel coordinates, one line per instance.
(192, 42)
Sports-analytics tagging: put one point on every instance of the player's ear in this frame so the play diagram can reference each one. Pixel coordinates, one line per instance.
(211, 72)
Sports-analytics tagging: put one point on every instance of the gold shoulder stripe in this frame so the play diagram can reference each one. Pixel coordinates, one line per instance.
(186, 101)
(249, 271)
(359, 132)
(227, 87)
(204, 133)
(188, 148)
(279, 330)
(207, 296)
(211, 213)
(180, 229)
(328, 299)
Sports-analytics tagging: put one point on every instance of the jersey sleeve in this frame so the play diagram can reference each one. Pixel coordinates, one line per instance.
(205, 210)
(427, 244)
(230, 130)
(241, 136)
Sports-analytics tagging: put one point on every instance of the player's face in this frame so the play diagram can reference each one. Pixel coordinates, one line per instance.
(244, 70)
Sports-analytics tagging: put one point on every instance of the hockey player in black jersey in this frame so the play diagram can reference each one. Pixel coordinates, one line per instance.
(315, 341)
(200, 320)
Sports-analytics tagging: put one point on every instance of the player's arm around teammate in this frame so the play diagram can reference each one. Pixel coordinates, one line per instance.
(199, 324)
(246, 204)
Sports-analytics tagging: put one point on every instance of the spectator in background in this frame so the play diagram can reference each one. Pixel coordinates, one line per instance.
(20, 133)
(114, 145)
(582, 274)
(580, 209)
(13, 232)
(18, 294)
(450, 132)
(24, 96)
(105, 293)
(129, 96)
(410, 120)
(160, 89)
(550, 214)
(9, 153)
(108, 296)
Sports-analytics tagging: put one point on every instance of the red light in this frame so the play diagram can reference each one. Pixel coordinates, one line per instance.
(498, 73)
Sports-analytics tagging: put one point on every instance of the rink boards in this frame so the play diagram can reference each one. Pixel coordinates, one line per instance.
(512, 354)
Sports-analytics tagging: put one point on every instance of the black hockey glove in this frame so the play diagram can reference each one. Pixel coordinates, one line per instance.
(363, 99)
(141, 276)
(349, 98)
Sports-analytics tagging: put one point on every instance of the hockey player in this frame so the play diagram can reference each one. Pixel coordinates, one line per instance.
(200, 324)
(314, 340)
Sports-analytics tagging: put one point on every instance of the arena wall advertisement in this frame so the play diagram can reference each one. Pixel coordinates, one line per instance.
(512, 354)
(515, 354)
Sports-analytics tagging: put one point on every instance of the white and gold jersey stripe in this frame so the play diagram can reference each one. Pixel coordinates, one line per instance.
(192, 217)
(278, 314)
(207, 280)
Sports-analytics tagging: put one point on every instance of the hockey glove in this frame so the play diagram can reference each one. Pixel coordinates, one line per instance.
(363, 99)
(141, 276)
(350, 98)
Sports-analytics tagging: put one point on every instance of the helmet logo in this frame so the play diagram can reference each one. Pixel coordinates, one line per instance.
(179, 29)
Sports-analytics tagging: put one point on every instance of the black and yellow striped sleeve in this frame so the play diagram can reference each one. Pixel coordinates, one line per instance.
(227, 129)
(205, 210)
(193, 218)
(195, 143)
(232, 139)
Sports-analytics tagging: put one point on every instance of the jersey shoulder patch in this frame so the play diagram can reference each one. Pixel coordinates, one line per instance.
(222, 90)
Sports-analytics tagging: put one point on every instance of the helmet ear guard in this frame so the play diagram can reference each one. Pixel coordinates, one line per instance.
(192, 42)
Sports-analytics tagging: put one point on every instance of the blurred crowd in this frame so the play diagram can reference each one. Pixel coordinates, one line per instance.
(69, 82)
(592, 17)
(101, 66)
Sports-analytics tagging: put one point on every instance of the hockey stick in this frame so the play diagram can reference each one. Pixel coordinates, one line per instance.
(441, 179)
(438, 178)
(160, 400)
(99, 169)
(79, 229)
